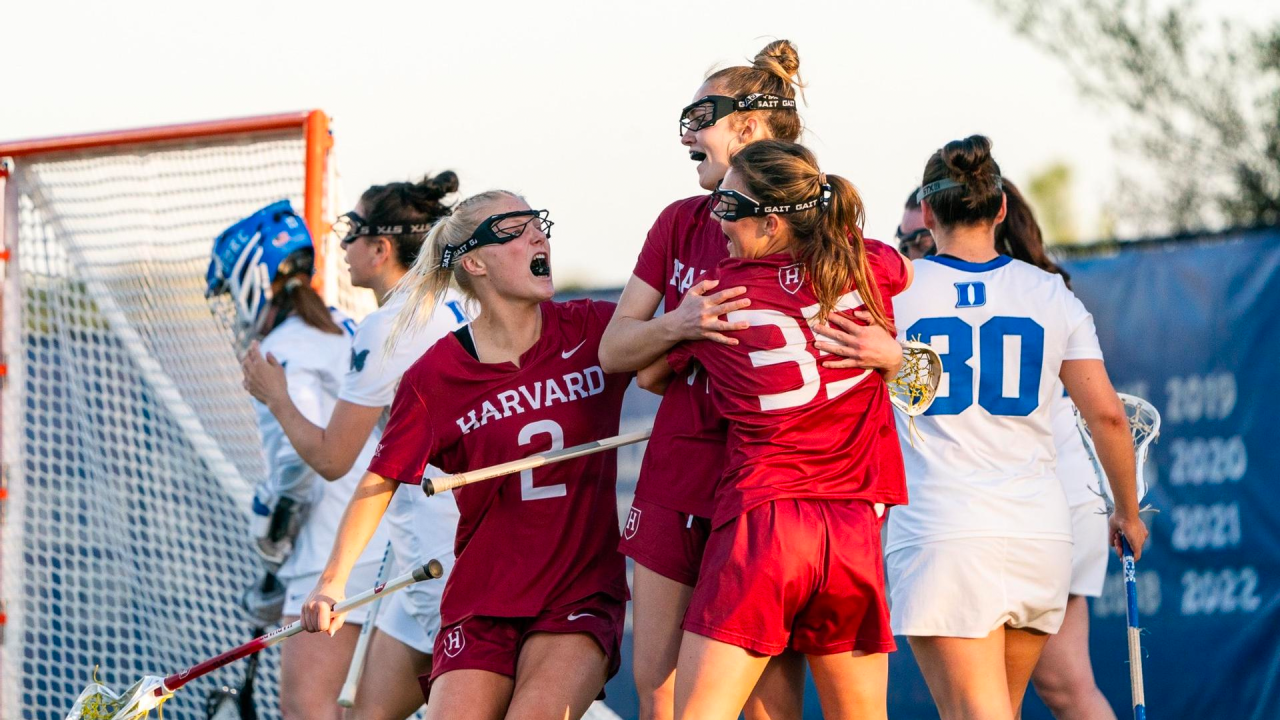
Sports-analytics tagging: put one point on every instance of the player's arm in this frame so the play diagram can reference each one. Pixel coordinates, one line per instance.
(656, 377)
(365, 510)
(859, 346)
(634, 338)
(330, 450)
(1090, 388)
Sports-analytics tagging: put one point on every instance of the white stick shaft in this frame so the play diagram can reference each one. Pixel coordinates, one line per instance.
(431, 570)
(435, 486)
(347, 697)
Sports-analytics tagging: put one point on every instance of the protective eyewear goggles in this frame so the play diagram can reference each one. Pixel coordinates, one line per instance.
(351, 226)
(912, 238)
(496, 230)
(732, 205)
(707, 111)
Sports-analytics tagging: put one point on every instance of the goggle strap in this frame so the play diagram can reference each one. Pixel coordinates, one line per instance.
(938, 186)
(765, 101)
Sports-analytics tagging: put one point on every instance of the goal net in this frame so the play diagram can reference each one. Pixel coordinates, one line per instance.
(129, 448)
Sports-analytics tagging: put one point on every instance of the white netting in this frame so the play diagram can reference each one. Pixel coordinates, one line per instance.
(130, 444)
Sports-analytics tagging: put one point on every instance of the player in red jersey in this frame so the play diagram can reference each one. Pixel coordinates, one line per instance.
(532, 614)
(794, 558)
(668, 525)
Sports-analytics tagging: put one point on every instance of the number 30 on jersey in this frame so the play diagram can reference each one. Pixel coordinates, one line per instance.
(1010, 357)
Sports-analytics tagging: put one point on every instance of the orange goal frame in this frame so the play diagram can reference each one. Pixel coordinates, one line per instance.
(312, 124)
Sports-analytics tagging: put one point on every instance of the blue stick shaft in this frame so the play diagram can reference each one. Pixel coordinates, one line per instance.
(1135, 640)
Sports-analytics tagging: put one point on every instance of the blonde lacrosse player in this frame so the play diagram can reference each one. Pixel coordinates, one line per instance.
(534, 606)
(979, 562)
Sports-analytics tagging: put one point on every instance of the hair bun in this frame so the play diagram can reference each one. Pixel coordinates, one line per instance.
(969, 161)
(434, 188)
(968, 157)
(780, 58)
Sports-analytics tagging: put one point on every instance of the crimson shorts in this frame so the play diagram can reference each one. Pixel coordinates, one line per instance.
(493, 643)
(801, 574)
(667, 542)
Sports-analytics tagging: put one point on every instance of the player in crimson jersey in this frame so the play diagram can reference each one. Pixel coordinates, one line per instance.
(668, 524)
(533, 611)
(794, 557)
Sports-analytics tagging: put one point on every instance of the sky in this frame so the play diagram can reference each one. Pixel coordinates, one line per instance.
(573, 104)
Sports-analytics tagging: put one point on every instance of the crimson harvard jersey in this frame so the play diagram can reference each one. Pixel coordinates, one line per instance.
(685, 457)
(544, 537)
(797, 429)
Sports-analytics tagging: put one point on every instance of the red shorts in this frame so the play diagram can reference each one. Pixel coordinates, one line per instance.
(493, 643)
(801, 574)
(667, 542)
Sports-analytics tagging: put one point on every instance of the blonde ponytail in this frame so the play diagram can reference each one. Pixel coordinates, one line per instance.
(425, 284)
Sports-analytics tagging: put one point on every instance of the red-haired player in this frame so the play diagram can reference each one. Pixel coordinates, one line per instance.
(533, 611)
(794, 561)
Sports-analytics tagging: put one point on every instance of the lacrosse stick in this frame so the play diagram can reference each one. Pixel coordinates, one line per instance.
(435, 486)
(916, 384)
(98, 702)
(347, 698)
(1144, 426)
(227, 703)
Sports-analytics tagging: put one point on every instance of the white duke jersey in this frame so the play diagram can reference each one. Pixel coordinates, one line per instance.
(420, 528)
(314, 364)
(1076, 471)
(982, 463)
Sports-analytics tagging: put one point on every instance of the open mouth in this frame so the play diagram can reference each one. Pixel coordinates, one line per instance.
(696, 156)
(539, 266)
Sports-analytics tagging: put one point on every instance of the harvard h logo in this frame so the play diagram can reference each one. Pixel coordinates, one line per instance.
(971, 294)
(633, 524)
(454, 641)
(791, 277)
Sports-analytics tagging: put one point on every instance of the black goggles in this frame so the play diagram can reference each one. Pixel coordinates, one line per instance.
(496, 230)
(351, 226)
(707, 111)
(912, 237)
(732, 205)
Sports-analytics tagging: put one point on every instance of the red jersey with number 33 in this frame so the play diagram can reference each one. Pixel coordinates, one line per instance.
(541, 538)
(798, 429)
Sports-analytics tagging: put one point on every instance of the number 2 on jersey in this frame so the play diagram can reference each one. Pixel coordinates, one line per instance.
(993, 394)
(527, 434)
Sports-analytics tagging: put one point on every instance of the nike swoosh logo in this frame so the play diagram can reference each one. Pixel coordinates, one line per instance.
(569, 353)
(576, 616)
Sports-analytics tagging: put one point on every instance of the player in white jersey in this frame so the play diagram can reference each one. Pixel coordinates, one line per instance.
(979, 562)
(265, 263)
(382, 237)
(1064, 676)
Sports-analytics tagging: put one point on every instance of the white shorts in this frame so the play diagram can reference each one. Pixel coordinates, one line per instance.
(412, 615)
(1089, 555)
(297, 589)
(967, 587)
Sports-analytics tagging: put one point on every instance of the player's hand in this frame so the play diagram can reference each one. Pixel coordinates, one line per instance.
(317, 609)
(264, 376)
(1133, 529)
(698, 316)
(860, 346)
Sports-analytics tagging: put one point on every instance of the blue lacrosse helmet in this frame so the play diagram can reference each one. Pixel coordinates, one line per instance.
(249, 255)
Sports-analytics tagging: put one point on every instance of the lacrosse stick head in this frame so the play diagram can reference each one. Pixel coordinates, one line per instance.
(913, 389)
(98, 702)
(1144, 428)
